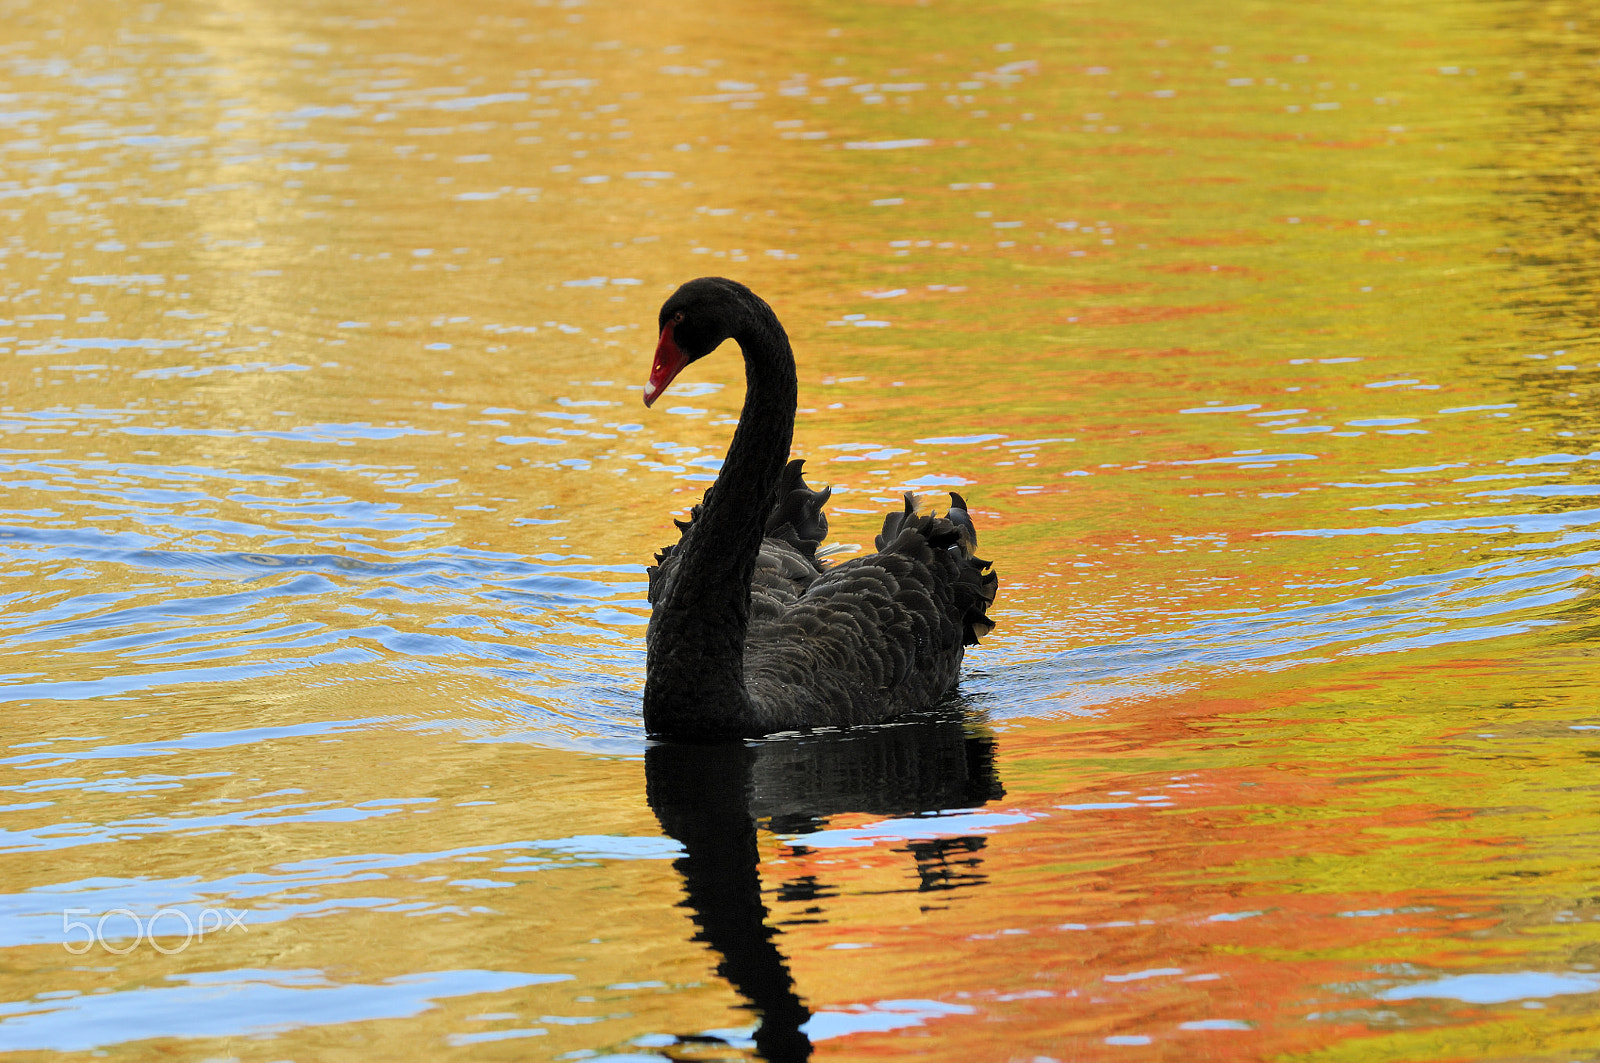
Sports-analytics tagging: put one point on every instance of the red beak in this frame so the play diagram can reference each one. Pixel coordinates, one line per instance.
(668, 364)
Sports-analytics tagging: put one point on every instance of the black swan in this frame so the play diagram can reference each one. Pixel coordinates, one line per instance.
(749, 634)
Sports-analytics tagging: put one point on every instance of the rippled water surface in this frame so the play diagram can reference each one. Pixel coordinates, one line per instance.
(1261, 338)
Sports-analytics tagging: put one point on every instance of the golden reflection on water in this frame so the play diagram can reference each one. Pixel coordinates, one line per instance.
(1260, 338)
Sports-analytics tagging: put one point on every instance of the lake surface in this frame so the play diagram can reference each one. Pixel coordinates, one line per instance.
(1261, 338)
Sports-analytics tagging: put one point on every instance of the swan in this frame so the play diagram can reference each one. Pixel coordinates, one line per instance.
(749, 633)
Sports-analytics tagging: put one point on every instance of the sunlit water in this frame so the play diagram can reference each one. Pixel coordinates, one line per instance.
(1261, 339)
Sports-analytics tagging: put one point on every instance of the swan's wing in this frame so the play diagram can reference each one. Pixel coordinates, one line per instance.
(661, 573)
(973, 583)
(878, 635)
(788, 559)
(798, 506)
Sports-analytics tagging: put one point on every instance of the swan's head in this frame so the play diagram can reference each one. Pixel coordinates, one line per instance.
(694, 322)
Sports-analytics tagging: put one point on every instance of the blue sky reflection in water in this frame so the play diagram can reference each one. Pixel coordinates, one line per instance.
(1259, 341)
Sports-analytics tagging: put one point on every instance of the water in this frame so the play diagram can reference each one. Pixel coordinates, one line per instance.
(1260, 339)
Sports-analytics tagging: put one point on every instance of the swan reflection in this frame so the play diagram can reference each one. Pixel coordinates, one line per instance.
(713, 798)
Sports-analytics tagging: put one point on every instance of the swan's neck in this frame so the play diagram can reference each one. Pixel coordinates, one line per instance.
(694, 685)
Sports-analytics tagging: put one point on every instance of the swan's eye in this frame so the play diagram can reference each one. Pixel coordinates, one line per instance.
(677, 319)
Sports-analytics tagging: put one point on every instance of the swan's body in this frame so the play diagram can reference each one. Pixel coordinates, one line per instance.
(750, 634)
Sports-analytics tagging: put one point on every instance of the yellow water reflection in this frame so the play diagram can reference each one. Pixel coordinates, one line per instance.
(1260, 337)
